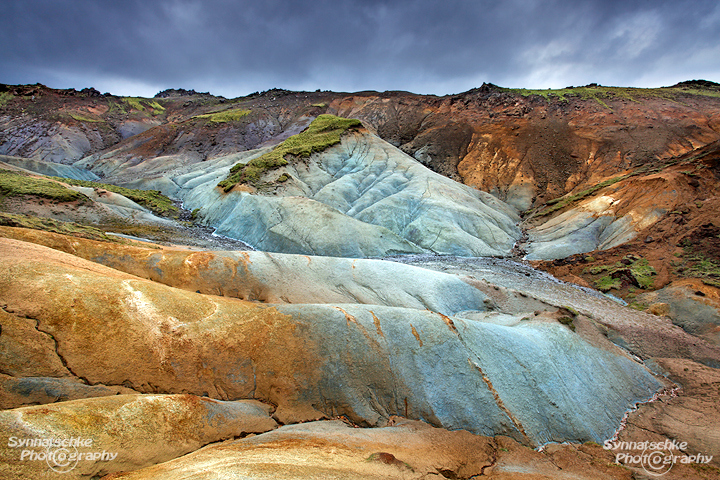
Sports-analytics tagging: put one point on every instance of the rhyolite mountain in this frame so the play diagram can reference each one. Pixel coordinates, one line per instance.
(449, 361)
(524, 147)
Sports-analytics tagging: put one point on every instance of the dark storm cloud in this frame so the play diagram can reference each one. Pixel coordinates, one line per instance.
(235, 47)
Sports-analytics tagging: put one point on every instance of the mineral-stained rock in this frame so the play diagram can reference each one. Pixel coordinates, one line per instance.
(406, 450)
(133, 431)
(22, 391)
(535, 381)
(643, 334)
(275, 277)
(409, 450)
(690, 414)
(611, 217)
(360, 198)
(690, 304)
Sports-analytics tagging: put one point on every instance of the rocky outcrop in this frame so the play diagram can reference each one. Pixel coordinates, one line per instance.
(47, 141)
(127, 432)
(690, 304)
(277, 278)
(452, 372)
(358, 199)
(618, 209)
(405, 449)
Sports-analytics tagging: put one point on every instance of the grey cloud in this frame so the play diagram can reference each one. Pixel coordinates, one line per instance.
(234, 47)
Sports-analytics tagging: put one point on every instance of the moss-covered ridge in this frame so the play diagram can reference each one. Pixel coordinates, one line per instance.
(151, 199)
(225, 116)
(324, 132)
(21, 184)
(55, 226)
(601, 93)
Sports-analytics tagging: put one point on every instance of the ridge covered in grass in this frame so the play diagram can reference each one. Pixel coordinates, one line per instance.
(151, 199)
(601, 93)
(150, 105)
(55, 226)
(225, 116)
(19, 184)
(324, 132)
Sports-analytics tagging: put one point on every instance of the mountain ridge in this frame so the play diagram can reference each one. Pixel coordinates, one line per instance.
(101, 295)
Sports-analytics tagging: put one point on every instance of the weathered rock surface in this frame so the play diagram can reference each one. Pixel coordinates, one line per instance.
(643, 334)
(689, 414)
(22, 391)
(405, 450)
(494, 379)
(612, 216)
(51, 169)
(32, 370)
(361, 198)
(133, 431)
(690, 304)
(24, 136)
(275, 277)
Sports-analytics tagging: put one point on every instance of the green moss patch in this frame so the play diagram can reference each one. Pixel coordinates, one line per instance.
(82, 118)
(631, 271)
(55, 226)
(144, 105)
(568, 322)
(5, 97)
(324, 132)
(607, 283)
(696, 264)
(568, 316)
(21, 184)
(601, 94)
(225, 116)
(151, 199)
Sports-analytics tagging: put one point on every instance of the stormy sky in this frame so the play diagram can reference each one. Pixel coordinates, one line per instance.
(233, 48)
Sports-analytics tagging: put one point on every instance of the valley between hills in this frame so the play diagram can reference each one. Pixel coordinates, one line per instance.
(502, 283)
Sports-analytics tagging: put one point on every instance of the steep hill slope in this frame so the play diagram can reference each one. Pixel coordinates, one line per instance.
(361, 197)
(616, 187)
(524, 146)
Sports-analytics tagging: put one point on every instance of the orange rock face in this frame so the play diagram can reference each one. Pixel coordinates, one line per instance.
(528, 150)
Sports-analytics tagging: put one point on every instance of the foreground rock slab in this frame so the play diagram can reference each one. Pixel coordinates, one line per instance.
(689, 415)
(275, 277)
(407, 450)
(534, 380)
(123, 432)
